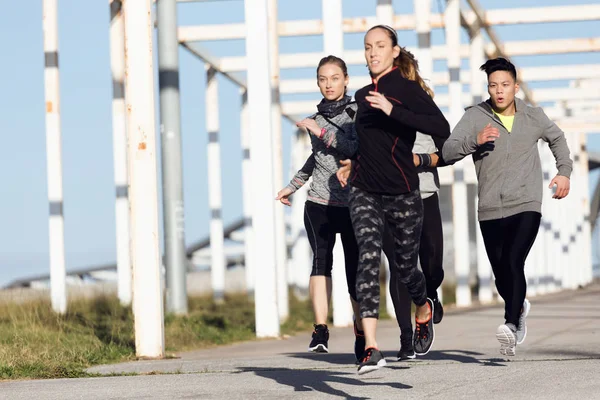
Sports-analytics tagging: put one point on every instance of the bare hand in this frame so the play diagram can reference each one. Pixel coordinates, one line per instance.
(563, 186)
(487, 134)
(310, 125)
(283, 195)
(344, 172)
(416, 160)
(377, 100)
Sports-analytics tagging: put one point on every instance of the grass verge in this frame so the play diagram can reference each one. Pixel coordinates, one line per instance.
(37, 343)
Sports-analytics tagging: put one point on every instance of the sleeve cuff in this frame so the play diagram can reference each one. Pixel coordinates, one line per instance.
(292, 187)
(565, 171)
(473, 143)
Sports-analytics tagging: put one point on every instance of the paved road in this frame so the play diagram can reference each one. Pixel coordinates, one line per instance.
(560, 359)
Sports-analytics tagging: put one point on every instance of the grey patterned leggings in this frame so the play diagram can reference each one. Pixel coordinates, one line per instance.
(404, 214)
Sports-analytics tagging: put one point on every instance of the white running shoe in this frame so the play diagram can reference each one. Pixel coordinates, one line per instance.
(522, 329)
(506, 335)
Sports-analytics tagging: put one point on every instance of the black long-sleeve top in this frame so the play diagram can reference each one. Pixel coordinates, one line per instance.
(384, 161)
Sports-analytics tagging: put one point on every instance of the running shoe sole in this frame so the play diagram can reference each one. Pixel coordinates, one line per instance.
(507, 340)
(371, 368)
(320, 348)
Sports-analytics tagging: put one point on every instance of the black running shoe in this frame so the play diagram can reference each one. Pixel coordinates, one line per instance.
(424, 334)
(359, 343)
(407, 351)
(320, 337)
(372, 360)
(439, 311)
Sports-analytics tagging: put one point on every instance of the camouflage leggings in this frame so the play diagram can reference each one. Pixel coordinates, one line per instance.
(404, 214)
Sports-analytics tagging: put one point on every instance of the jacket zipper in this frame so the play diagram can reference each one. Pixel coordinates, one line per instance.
(498, 120)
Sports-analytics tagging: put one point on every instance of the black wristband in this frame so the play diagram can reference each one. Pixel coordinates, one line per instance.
(425, 160)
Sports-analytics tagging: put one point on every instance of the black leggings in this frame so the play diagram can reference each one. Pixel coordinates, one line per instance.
(322, 223)
(370, 213)
(507, 243)
(431, 253)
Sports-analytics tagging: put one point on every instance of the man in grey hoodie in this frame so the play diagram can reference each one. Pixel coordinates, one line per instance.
(502, 134)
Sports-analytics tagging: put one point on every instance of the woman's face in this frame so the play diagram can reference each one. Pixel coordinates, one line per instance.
(379, 52)
(332, 82)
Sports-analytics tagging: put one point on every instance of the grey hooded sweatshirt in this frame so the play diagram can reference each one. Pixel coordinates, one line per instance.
(509, 171)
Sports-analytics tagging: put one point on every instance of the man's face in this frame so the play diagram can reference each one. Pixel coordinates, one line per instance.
(502, 89)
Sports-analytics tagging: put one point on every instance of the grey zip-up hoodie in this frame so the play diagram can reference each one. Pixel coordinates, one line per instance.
(509, 171)
(323, 163)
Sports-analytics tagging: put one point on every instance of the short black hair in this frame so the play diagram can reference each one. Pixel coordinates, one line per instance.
(499, 64)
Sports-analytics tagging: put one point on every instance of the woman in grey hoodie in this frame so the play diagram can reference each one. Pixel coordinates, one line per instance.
(326, 212)
(502, 134)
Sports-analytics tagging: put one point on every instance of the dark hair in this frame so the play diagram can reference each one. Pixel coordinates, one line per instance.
(333, 60)
(406, 61)
(499, 64)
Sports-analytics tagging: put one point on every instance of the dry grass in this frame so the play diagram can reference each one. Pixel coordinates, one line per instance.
(36, 343)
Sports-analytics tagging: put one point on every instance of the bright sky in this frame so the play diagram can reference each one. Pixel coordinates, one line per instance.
(86, 94)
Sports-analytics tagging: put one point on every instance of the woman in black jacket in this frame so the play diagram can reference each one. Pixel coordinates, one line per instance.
(385, 184)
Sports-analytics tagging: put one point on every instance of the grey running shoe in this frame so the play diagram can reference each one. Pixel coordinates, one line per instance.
(372, 360)
(507, 336)
(522, 329)
(424, 333)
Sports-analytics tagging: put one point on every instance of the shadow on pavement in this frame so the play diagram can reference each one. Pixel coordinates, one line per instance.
(330, 358)
(318, 380)
(461, 356)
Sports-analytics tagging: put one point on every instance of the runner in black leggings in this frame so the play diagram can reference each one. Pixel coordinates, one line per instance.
(427, 159)
(502, 134)
(431, 249)
(326, 211)
(385, 186)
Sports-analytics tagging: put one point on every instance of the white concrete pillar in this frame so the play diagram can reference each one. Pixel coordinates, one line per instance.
(478, 83)
(342, 308)
(58, 285)
(215, 202)
(539, 248)
(389, 304)
(333, 35)
(280, 239)
(143, 180)
(333, 43)
(547, 228)
(301, 250)
(586, 231)
(117, 66)
(261, 149)
(423, 28)
(484, 269)
(385, 12)
(460, 215)
(247, 194)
